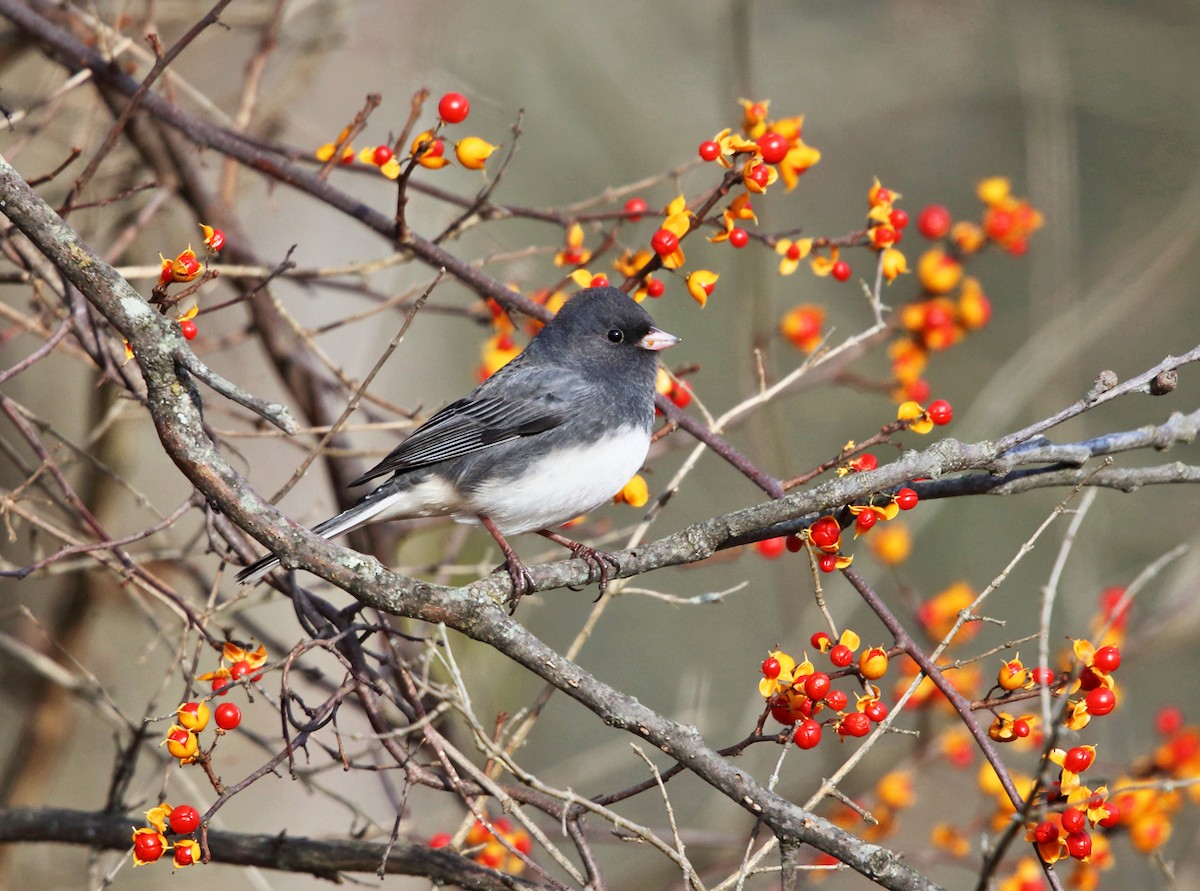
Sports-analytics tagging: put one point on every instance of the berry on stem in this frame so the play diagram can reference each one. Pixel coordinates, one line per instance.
(940, 412)
(1101, 701)
(933, 222)
(664, 242)
(816, 685)
(840, 271)
(1107, 659)
(184, 819)
(840, 654)
(453, 108)
(634, 208)
(807, 734)
(709, 150)
(773, 146)
(228, 716)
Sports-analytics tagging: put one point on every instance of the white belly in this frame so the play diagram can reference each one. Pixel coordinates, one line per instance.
(552, 490)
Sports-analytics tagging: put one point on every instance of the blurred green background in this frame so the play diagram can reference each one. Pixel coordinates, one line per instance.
(1091, 109)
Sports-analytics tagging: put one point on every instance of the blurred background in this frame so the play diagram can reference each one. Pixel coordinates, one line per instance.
(1090, 108)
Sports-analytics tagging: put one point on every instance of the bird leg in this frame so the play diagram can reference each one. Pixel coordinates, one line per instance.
(522, 581)
(597, 561)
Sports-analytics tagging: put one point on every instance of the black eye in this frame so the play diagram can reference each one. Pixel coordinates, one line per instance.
(615, 335)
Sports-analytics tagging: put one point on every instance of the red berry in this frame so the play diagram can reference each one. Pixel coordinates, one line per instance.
(1089, 680)
(933, 222)
(836, 699)
(664, 242)
(681, 394)
(148, 846)
(807, 734)
(825, 532)
(239, 669)
(841, 270)
(855, 724)
(883, 235)
(440, 839)
(599, 281)
(1021, 728)
(1078, 759)
(634, 208)
(453, 108)
(228, 716)
(816, 685)
(1079, 845)
(739, 237)
(1107, 659)
(906, 498)
(898, 218)
(1073, 819)
(381, 155)
(864, 462)
(940, 412)
(773, 147)
(865, 520)
(187, 328)
(771, 548)
(183, 855)
(1169, 720)
(1045, 832)
(782, 713)
(1043, 676)
(819, 639)
(1112, 816)
(827, 562)
(1101, 701)
(655, 287)
(793, 252)
(184, 819)
(841, 655)
(918, 390)
(997, 224)
(875, 710)
(1017, 247)
(709, 150)
(760, 175)
(771, 668)
(795, 543)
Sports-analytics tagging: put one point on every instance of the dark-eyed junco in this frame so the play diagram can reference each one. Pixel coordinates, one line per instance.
(554, 433)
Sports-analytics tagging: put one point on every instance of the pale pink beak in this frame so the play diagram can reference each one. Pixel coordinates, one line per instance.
(657, 340)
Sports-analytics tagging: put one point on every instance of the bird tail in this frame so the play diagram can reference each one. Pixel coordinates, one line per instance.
(360, 514)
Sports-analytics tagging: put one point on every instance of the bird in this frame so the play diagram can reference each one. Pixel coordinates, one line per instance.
(551, 435)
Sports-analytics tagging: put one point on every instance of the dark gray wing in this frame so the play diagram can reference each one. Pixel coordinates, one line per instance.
(505, 407)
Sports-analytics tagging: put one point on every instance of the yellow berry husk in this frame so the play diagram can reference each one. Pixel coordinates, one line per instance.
(473, 152)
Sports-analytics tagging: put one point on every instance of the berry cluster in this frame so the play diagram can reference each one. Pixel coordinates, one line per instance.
(498, 846)
(184, 268)
(150, 842)
(797, 694)
(183, 737)
(428, 148)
